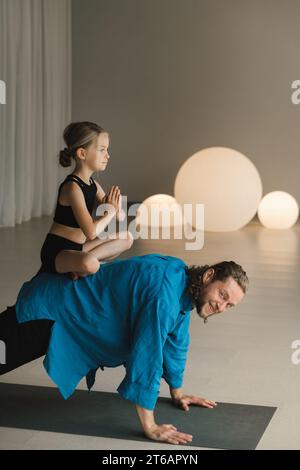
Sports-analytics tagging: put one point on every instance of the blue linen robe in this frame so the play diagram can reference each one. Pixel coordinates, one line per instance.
(133, 312)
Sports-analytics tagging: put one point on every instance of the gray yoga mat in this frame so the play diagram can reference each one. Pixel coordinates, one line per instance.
(228, 426)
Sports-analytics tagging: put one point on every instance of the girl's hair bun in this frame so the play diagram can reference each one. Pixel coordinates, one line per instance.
(65, 157)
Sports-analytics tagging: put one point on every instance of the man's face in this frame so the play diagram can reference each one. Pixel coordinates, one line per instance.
(218, 296)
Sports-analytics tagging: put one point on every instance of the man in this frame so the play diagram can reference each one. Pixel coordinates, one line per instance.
(135, 313)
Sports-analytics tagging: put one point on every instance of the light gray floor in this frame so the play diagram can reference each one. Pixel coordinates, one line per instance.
(243, 356)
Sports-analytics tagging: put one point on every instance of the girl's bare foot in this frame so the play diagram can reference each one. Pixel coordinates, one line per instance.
(74, 276)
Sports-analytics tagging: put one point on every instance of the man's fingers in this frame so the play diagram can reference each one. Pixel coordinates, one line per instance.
(177, 440)
(178, 434)
(183, 435)
(201, 401)
(183, 403)
(205, 403)
(210, 403)
(180, 441)
(193, 400)
(181, 438)
(172, 441)
(175, 437)
(187, 401)
(184, 406)
(171, 427)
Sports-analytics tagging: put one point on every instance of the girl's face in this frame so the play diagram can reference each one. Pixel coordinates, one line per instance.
(97, 154)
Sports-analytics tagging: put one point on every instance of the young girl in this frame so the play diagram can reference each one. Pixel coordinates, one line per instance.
(72, 244)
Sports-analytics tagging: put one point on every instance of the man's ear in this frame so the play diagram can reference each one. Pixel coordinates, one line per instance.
(208, 275)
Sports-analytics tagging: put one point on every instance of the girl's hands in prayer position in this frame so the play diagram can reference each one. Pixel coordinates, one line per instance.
(113, 198)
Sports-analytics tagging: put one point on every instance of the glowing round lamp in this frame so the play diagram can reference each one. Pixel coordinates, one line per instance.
(226, 182)
(278, 210)
(159, 210)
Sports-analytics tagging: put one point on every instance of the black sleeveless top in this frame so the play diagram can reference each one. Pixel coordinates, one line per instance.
(64, 214)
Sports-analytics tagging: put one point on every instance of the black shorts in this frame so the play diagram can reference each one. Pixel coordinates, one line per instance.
(23, 342)
(52, 245)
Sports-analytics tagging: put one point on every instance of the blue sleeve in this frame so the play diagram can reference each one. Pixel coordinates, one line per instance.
(144, 366)
(175, 351)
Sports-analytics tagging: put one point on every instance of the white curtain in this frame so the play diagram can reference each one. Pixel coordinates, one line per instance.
(35, 64)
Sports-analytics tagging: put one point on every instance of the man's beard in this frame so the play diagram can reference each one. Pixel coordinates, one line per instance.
(200, 304)
(204, 317)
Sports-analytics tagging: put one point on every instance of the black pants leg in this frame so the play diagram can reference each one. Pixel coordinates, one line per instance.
(23, 342)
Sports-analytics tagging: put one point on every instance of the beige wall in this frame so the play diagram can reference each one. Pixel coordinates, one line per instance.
(170, 77)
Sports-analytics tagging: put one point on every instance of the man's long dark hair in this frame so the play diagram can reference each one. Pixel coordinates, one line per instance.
(222, 271)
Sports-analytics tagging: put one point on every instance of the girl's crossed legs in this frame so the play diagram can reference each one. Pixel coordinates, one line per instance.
(93, 252)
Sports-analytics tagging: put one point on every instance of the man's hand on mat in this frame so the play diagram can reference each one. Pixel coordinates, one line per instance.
(167, 433)
(185, 400)
(163, 432)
